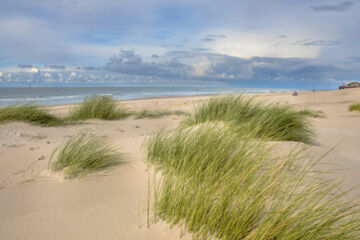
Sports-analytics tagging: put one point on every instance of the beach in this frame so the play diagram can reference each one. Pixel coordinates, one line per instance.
(112, 204)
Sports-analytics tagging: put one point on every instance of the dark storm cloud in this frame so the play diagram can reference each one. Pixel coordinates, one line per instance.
(127, 62)
(291, 69)
(191, 66)
(270, 69)
(340, 7)
(229, 69)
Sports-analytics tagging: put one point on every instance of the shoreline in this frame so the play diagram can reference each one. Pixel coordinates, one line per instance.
(191, 96)
(141, 103)
(41, 98)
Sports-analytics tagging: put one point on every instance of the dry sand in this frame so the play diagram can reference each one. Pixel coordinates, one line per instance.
(34, 204)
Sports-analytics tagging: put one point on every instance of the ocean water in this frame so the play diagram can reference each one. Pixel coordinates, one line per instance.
(66, 95)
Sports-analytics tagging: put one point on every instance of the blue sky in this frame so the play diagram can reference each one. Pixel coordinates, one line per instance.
(304, 44)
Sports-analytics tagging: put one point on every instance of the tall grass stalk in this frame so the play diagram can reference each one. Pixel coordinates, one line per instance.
(273, 121)
(83, 154)
(29, 113)
(221, 186)
(101, 107)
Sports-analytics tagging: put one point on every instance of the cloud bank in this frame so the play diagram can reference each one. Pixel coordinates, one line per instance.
(232, 43)
(189, 66)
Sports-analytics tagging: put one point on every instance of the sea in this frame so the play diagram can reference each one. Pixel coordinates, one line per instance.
(67, 95)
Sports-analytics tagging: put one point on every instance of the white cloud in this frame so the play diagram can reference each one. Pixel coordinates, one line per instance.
(201, 67)
(252, 43)
(34, 70)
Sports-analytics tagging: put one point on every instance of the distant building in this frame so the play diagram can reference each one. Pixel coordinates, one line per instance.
(353, 84)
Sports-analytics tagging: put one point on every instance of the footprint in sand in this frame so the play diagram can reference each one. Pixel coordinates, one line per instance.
(37, 136)
(33, 148)
(14, 145)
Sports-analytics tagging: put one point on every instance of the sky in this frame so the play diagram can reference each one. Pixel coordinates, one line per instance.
(251, 43)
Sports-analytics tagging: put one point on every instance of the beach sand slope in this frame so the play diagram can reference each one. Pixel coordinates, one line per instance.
(35, 204)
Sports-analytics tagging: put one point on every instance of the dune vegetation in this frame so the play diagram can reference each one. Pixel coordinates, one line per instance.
(29, 113)
(83, 154)
(101, 107)
(218, 185)
(156, 114)
(278, 122)
(93, 107)
(354, 107)
(310, 113)
(223, 179)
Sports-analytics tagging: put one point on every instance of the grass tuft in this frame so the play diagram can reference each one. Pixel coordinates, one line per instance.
(101, 107)
(156, 114)
(84, 154)
(310, 113)
(220, 186)
(354, 107)
(29, 113)
(272, 121)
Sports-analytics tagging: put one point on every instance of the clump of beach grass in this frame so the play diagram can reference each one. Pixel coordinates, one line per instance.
(219, 185)
(311, 113)
(101, 107)
(354, 107)
(29, 113)
(278, 122)
(83, 154)
(157, 113)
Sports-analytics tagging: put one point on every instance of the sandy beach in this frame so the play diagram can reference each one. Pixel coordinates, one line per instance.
(112, 204)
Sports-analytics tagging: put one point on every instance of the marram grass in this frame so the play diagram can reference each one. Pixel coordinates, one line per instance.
(101, 107)
(83, 154)
(354, 107)
(310, 113)
(221, 186)
(156, 114)
(273, 121)
(29, 113)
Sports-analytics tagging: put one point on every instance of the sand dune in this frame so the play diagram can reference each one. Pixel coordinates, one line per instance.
(35, 204)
